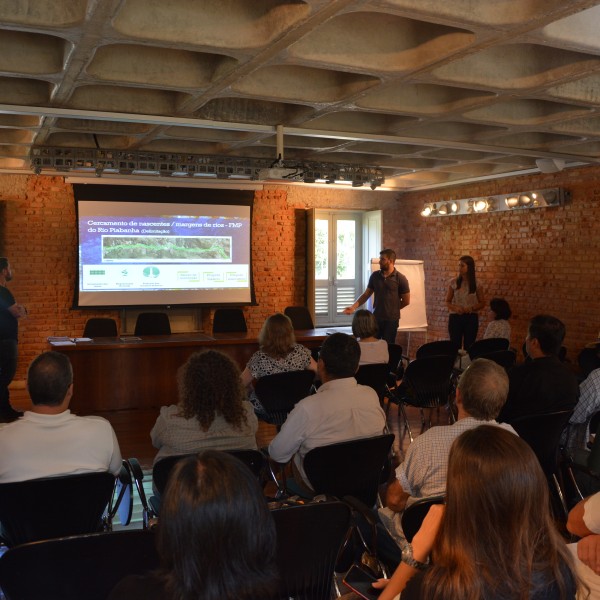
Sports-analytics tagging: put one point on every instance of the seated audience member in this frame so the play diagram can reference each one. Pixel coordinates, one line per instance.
(481, 393)
(48, 440)
(587, 405)
(499, 327)
(495, 537)
(213, 411)
(341, 410)
(278, 353)
(216, 539)
(543, 384)
(365, 329)
(584, 522)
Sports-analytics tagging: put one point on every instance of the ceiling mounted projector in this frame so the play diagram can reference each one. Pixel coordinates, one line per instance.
(280, 174)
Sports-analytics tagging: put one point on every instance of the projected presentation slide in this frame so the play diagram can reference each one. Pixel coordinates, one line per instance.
(141, 247)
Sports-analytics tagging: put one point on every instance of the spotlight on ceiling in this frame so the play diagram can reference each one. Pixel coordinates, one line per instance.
(480, 205)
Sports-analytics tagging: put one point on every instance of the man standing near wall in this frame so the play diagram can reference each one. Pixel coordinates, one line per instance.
(392, 294)
(10, 313)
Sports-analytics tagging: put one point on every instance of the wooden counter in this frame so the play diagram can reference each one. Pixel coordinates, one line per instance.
(112, 374)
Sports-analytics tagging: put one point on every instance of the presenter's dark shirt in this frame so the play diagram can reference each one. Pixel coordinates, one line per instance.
(388, 291)
(540, 386)
(9, 326)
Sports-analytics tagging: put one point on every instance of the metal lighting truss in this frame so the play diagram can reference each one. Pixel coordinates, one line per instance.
(166, 164)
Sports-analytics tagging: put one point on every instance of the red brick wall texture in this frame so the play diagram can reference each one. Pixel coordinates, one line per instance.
(541, 261)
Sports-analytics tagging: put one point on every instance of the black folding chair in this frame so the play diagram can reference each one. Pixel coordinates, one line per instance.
(352, 468)
(300, 317)
(427, 383)
(375, 376)
(152, 323)
(413, 515)
(229, 320)
(76, 568)
(100, 327)
(353, 471)
(583, 463)
(253, 459)
(309, 539)
(543, 432)
(505, 358)
(41, 509)
(279, 393)
(481, 348)
(396, 361)
(437, 348)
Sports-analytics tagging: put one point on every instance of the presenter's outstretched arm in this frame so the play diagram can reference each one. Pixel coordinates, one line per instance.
(359, 302)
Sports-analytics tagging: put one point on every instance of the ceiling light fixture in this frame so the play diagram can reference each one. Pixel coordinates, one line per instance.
(498, 203)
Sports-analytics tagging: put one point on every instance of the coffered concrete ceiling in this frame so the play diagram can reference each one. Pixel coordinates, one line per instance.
(434, 92)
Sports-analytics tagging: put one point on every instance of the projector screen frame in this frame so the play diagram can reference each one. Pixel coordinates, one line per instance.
(163, 195)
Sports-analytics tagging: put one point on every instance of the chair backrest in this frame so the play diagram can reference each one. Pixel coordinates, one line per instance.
(300, 317)
(438, 348)
(76, 568)
(413, 515)
(351, 468)
(100, 327)
(542, 433)
(395, 354)
(280, 392)
(41, 509)
(253, 459)
(309, 538)
(229, 320)
(505, 358)
(152, 323)
(427, 381)
(375, 376)
(481, 348)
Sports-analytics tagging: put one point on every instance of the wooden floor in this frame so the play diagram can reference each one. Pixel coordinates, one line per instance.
(133, 428)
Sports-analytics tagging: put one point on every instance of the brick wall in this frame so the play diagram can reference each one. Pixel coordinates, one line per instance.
(540, 261)
(37, 233)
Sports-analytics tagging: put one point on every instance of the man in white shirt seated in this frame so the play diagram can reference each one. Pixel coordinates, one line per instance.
(48, 440)
(341, 410)
(481, 393)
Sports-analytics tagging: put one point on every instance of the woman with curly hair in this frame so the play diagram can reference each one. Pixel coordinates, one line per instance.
(212, 411)
(495, 538)
(278, 352)
(216, 539)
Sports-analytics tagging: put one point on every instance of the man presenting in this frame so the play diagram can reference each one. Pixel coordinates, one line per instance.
(392, 294)
(10, 313)
(48, 440)
(341, 410)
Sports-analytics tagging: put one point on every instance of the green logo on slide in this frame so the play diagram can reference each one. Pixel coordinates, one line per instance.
(152, 272)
